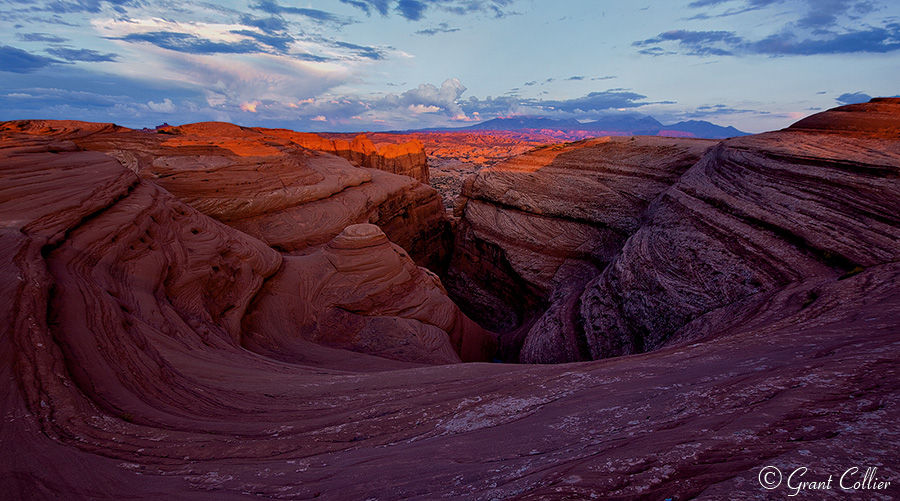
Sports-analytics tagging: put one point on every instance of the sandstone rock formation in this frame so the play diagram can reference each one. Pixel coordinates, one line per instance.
(453, 155)
(362, 293)
(754, 215)
(819, 200)
(407, 158)
(269, 187)
(547, 222)
(124, 311)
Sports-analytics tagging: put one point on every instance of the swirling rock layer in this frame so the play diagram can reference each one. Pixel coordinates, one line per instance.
(545, 222)
(362, 293)
(124, 374)
(756, 214)
(268, 186)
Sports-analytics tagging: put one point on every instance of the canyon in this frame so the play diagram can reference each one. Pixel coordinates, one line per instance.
(211, 311)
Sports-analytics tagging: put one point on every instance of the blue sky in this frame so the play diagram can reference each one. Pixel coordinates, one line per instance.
(355, 65)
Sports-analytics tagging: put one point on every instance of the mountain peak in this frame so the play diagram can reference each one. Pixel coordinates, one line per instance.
(638, 125)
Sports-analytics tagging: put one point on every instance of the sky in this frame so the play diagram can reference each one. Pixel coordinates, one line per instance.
(370, 65)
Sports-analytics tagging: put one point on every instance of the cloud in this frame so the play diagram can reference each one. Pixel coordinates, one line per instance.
(87, 55)
(360, 50)
(15, 60)
(270, 24)
(594, 101)
(380, 6)
(441, 28)
(724, 43)
(236, 39)
(696, 43)
(167, 106)
(81, 6)
(872, 40)
(40, 37)
(192, 44)
(411, 9)
(853, 98)
(251, 106)
(591, 105)
(801, 28)
(414, 10)
(748, 3)
(444, 98)
(272, 7)
(278, 42)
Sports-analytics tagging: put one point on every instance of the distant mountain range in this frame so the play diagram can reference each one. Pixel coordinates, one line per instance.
(638, 125)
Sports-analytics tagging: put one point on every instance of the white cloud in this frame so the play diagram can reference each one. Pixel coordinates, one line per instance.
(167, 106)
(251, 106)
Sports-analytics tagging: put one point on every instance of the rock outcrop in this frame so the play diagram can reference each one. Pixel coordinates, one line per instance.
(362, 293)
(126, 316)
(819, 200)
(406, 158)
(543, 224)
(266, 186)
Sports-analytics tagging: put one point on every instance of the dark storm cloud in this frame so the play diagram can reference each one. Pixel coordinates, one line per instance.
(15, 60)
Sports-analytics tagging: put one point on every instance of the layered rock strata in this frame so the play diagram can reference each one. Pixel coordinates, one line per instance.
(123, 379)
(546, 222)
(362, 293)
(407, 158)
(292, 198)
(817, 200)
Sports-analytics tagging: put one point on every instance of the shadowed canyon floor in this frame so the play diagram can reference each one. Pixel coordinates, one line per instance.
(159, 345)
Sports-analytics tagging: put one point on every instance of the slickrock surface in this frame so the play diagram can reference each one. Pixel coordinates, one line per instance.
(123, 377)
(756, 214)
(550, 220)
(127, 315)
(288, 196)
(140, 360)
(362, 293)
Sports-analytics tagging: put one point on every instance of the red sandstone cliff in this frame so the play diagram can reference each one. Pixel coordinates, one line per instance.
(269, 187)
(407, 158)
